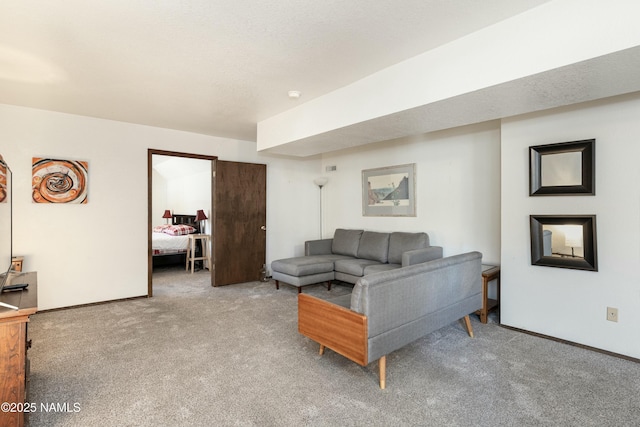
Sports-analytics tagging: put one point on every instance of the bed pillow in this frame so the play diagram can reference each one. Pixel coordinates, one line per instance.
(160, 228)
(179, 230)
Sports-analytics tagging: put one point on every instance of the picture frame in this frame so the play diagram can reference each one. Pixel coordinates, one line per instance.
(56, 181)
(389, 191)
(564, 241)
(563, 169)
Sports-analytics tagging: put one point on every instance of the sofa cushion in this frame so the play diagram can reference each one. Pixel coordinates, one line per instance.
(299, 281)
(400, 242)
(346, 242)
(374, 246)
(303, 266)
(376, 268)
(354, 266)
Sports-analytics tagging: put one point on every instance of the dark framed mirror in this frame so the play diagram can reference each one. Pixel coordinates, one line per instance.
(565, 241)
(566, 168)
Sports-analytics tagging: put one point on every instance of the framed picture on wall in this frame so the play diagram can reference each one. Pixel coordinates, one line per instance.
(389, 191)
(3, 181)
(59, 181)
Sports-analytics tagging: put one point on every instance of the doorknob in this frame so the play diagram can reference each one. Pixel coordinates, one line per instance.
(263, 228)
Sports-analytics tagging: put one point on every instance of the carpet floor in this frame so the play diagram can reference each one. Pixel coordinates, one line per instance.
(194, 355)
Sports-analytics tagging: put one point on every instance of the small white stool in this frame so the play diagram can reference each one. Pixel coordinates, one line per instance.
(206, 251)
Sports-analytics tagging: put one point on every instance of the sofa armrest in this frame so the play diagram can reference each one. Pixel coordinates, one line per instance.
(338, 328)
(318, 247)
(418, 256)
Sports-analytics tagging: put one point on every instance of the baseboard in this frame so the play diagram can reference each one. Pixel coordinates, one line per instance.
(92, 303)
(574, 344)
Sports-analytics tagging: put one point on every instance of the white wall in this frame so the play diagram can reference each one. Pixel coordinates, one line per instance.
(160, 199)
(457, 188)
(292, 207)
(98, 252)
(183, 191)
(187, 194)
(571, 304)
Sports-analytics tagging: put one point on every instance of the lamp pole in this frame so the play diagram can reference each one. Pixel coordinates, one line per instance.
(321, 182)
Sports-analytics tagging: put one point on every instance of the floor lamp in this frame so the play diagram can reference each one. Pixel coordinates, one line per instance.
(321, 182)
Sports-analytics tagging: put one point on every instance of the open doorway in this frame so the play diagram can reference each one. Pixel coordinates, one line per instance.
(179, 185)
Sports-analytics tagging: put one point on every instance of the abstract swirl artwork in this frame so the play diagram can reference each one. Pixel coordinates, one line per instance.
(3, 181)
(59, 181)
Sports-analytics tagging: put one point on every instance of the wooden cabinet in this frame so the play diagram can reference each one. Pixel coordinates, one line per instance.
(14, 343)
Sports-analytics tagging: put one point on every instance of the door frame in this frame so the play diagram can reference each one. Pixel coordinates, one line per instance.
(150, 153)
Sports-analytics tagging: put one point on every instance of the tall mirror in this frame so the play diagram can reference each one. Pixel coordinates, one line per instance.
(567, 241)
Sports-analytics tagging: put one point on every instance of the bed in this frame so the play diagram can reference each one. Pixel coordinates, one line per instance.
(169, 242)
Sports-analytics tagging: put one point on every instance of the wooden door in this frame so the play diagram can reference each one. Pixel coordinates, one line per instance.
(239, 224)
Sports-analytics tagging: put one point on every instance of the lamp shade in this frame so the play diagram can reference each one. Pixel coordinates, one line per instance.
(573, 236)
(200, 216)
(321, 181)
(167, 214)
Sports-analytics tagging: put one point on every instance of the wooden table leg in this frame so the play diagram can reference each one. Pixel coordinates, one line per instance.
(485, 299)
(488, 275)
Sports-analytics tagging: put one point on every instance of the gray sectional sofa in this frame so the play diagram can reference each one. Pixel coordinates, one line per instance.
(352, 254)
(390, 309)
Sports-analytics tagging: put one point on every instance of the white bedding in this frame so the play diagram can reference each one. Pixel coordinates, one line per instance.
(162, 243)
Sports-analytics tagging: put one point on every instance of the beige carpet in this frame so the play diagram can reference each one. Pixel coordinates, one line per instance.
(199, 356)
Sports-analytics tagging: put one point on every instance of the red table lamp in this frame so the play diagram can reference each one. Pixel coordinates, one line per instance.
(167, 215)
(200, 216)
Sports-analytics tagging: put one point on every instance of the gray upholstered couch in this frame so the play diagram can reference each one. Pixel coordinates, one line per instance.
(352, 254)
(390, 309)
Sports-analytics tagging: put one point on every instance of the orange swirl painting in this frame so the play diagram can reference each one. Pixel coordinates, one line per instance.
(3, 181)
(59, 181)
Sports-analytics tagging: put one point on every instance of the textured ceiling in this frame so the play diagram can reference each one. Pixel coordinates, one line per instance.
(215, 67)
(597, 78)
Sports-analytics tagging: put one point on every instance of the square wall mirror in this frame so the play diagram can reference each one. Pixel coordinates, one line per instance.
(565, 241)
(567, 168)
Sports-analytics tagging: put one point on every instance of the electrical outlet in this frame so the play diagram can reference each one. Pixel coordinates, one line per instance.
(612, 314)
